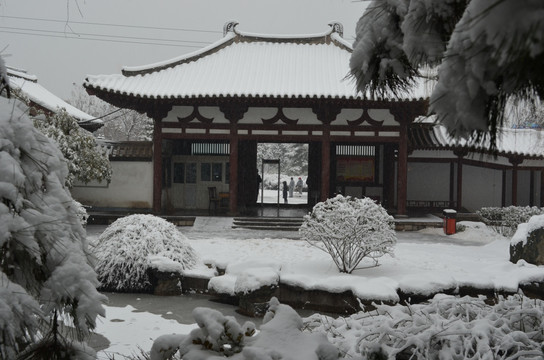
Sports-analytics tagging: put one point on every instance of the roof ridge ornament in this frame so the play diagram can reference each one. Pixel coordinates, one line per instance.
(337, 28)
(229, 27)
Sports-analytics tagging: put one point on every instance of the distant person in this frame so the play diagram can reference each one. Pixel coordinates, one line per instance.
(300, 185)
(259, 181)
(291, 187)
(285, 189)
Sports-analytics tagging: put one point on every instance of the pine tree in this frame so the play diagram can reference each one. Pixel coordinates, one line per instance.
(46, 276)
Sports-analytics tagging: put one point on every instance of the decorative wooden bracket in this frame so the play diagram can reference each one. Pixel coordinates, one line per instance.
(195, 115)
(156, 112)
(460, 152)
(233, 112)
(326, 113)
(279, 116)
(365, 117)
(515, 160)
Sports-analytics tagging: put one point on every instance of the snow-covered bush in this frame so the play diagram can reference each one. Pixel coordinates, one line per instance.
(131, 245)
(448, 327)
(350, 229)
(281, 336)
(81, 213)
(45, 270)
(85, 160)
(505, 220)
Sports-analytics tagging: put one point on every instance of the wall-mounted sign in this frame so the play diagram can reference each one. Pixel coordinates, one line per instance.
(355, 169)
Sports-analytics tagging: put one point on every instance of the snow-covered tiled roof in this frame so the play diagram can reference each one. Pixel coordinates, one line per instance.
(29, 87)
(244, 65)
(510, 142)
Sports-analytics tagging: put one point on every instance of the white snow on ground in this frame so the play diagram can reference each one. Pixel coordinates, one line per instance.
(481, 259)
(129, 331)
(424, 262)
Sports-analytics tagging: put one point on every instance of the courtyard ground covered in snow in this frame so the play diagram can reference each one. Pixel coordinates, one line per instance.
(425, 262)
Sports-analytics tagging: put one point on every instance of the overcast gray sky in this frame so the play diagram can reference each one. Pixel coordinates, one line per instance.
(61, 41)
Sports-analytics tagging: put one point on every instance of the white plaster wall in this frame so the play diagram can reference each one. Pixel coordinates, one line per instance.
(481, 187)
(131, 186)
(428, 181)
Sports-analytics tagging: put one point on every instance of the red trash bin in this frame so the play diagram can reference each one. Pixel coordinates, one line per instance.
(449, 221)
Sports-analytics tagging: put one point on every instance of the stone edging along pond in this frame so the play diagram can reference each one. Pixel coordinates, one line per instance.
(254, 303)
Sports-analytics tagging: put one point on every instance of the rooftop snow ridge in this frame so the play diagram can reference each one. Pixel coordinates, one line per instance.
(232, 34)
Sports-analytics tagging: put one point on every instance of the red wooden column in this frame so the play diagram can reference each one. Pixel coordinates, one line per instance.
(157, 166)
(326, 113)
(405, 113)
(233, 173)
(532, 189)
(460, 153)
(325, 165)
(233, 112)
(503, 189)
(402, 168)
(452, 182)
(515, 161)
(541, 188)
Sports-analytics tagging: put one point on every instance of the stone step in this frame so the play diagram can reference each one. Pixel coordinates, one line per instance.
(267, 227)
(269, 218)
(271, 223)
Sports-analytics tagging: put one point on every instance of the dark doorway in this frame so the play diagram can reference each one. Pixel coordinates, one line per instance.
(294, 159)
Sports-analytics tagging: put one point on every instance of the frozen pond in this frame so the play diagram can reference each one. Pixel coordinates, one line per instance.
(128, 316)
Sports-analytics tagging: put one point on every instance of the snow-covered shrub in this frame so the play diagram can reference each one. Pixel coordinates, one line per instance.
(216, 333)
(45, 269)
(281, 336)
(505, 220)
(131, 245)
(81, 213)
(85, 160)
(448, 327)
(350, 229)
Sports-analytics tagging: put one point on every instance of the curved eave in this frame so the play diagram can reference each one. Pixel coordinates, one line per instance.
(423, 137)
(194, 56)
(116, 97)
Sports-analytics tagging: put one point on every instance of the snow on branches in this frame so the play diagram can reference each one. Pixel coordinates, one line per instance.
(487, 53)
(281, 336)
(350, 229)
(45, 267)
(132, 245)
(85, 160)
(448, 327)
